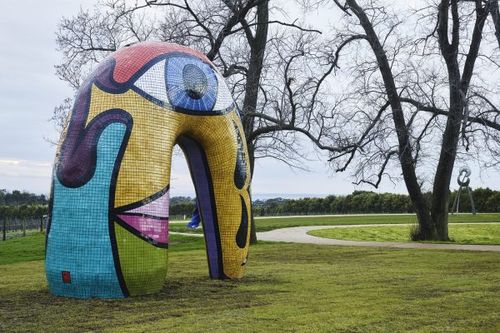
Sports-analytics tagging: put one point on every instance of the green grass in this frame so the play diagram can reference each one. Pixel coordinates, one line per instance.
(177, 227)
(459, 234)
(32, 247)
(287, 288)
(22, 249)
(19, 233)
(266, 224)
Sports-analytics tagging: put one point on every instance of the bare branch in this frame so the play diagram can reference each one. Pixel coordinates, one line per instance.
(437, 111)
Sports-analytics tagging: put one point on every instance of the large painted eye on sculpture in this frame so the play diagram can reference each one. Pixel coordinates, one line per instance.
(185, 83)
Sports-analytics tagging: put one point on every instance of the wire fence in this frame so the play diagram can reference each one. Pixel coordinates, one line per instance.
(16, 227)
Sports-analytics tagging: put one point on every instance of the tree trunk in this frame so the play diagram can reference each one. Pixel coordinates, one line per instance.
(442, 178)
(426, 230)
(253, 229)
(495, 15)
(257, 51)
(4, 228)
(458, 87)
(447, 156)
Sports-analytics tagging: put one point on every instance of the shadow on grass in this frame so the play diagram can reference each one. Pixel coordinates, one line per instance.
(287, 288)
(181, 296)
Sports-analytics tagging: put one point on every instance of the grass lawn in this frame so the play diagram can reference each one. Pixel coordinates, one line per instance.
(32, 247)
(287, 288)
(266, 224)
(459, 234)
(22, 249)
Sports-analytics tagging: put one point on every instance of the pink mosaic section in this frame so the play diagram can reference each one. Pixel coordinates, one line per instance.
(156, 229)
(157, 207)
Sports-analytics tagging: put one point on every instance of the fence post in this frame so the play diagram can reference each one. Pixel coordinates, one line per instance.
(24, 227)
(4, 228)
(41, 223)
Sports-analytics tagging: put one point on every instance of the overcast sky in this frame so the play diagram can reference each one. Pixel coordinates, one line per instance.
(29, 90)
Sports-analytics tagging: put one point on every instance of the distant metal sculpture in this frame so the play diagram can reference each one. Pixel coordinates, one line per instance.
(463, 181)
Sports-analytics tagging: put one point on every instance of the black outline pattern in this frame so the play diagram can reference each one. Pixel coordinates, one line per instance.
(111, 225)
(240, 170)
(242, 234)
(124, 209)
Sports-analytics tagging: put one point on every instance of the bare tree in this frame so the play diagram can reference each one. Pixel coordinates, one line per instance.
(417, 96)
(261, 54)
(495, 17)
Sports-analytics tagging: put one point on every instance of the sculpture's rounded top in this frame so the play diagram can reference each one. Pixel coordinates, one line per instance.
(170, 75)
(131, 58)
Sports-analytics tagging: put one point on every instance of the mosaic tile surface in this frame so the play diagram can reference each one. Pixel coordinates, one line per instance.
(108, 229)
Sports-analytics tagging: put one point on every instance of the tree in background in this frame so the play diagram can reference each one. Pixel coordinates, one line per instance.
(421, 93)
(387, 86)
(17, 197)
(265, 58)
(365, 202)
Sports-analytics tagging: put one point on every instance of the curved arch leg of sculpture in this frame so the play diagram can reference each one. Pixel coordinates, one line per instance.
(108, 229)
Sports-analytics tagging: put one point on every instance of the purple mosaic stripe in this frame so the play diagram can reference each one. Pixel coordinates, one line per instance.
(200, 173)
(77, 162)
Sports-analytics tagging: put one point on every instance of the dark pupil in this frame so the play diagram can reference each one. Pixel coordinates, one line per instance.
(195, 81)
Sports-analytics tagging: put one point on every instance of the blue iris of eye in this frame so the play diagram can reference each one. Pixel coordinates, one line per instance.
(191, 84)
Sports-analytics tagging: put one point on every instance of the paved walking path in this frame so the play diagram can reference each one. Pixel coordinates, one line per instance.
(314, 216)
(329, 215)
(185, 234)
(299, 235)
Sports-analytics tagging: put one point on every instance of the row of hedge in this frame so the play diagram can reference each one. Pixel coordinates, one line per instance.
(364, 202)
(24, 211)
(21, 197)
(486, 200)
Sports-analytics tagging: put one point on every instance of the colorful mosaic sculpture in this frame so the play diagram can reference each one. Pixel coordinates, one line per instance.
(108, 231)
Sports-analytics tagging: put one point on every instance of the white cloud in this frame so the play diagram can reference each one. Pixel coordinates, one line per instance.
(28, 175)
(24, 168)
